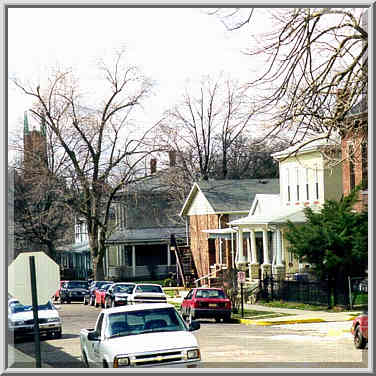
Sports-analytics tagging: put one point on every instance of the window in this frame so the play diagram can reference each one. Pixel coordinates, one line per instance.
(307, 184)
(297, 184)
(288, 185)
(351, 166)
(365, 166)
(317, 183)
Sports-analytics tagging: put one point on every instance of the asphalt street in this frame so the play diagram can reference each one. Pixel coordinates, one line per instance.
(234, 345)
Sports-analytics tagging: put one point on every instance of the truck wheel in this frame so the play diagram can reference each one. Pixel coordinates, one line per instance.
(359, 340)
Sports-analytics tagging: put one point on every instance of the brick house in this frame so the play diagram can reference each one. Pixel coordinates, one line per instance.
(355, 153)
(208, 208)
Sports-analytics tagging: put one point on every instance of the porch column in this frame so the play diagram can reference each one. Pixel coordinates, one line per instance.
(279, 267)
(134, 261)
(168, 255)
(254, 266)
(266, 266)
(241, 259)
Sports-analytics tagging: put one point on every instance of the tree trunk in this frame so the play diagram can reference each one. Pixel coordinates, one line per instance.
(98, 270)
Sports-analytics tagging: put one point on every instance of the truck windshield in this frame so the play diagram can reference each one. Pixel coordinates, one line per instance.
(144, 321)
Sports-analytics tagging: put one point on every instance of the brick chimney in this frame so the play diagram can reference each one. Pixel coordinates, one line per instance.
(172, 156)
(153, 166)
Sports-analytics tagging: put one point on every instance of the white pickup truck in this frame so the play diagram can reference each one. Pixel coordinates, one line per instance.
(141, 335)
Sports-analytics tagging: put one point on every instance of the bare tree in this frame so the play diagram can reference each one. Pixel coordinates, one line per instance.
(102, 146)
(204, 123)
(316, 67)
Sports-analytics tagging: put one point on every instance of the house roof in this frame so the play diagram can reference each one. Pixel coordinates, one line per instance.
(314, 143)
(277, 216)
(147, 235)
(226, 196)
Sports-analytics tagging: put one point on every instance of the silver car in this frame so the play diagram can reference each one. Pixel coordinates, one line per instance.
(21, 319)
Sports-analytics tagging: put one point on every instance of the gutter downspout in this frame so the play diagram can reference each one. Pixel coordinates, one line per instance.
(220, 241)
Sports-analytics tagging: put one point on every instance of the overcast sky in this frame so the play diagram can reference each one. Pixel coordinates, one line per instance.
(171, 46)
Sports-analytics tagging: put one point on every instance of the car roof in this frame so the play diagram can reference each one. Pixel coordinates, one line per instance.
(208, 288)
(148, 284)
(124, 283)
(137, 307)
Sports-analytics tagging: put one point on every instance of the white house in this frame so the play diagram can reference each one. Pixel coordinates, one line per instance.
(307, 178)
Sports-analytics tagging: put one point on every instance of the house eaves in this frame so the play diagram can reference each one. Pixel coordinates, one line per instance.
(147, 235)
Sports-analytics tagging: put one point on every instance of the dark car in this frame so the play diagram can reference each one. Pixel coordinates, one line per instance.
(359, 330)
(89, 297)
(206, 303)
(73, 291)
(118, 294)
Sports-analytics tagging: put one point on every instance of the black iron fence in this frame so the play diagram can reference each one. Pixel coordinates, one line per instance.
(345, 292)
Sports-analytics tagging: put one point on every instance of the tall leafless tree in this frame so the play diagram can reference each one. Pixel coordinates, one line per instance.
(205, 122)
(102, 146)
(316, 67)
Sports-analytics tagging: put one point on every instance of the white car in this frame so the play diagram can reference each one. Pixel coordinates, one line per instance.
(140, 335)
(130, 293)
(21, 319)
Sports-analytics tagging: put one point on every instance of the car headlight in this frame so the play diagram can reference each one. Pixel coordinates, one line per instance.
(121, 361)
(53, 319)
(193, 354)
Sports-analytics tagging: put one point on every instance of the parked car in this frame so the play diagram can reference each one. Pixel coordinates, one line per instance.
(56, 297)
(100, 295)
(359, 330)
(73, 291)
(131, 293)
(206, 303)
(21, 319)
(118, 294)
(89, 297)
(141, 335)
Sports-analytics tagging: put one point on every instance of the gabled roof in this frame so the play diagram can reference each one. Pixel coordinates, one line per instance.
(147, 235)
(226, 196)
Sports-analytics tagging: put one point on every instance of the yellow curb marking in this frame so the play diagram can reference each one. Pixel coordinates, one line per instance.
(267, 323)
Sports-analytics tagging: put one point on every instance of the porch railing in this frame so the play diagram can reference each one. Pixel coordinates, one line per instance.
(207, 276)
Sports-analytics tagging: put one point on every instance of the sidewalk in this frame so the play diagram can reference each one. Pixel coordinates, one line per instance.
(18, 359)
(296, 316)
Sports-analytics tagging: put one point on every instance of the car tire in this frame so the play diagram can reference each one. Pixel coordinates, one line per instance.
(227, 318)
(359, 341)
(217, 319)
(91, 301)
(85, 301)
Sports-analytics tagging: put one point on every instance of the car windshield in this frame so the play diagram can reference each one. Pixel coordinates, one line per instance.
(77, 285)
(18, 307)
(99, 284)
(123, 288)
(210, 294)
(105, 287)
(149, 288)
(144, 321)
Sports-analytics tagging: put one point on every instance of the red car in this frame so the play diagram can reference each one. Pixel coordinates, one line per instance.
(57, 293)
(359, 330)
(100, 295)
(206, 302)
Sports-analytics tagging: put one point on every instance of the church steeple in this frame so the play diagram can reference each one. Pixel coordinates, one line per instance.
(26, 124)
